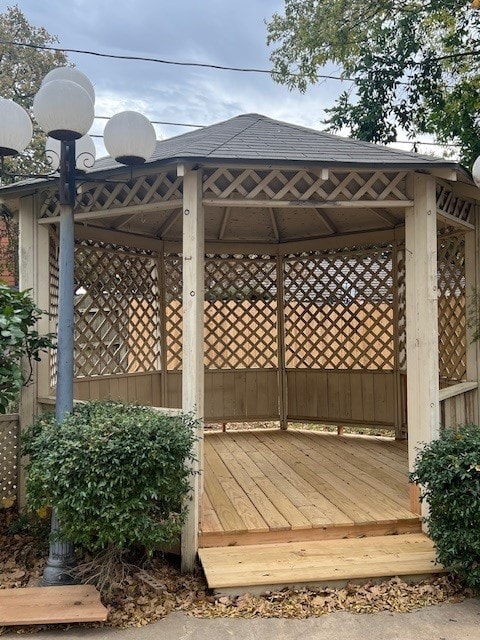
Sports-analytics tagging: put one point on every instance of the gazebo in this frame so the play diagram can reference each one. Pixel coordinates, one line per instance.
(256, 270)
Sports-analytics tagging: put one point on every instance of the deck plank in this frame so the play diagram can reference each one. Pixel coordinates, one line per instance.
(393, 499)
(287, 485)
(319, 562)
(238, 497)
(51, 605)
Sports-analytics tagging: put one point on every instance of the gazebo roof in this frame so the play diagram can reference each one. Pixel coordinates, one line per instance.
(257, 138)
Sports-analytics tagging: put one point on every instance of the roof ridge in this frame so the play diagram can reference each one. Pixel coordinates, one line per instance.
(235, 135)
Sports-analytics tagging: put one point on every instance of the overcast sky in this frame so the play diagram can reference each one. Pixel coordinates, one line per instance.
(224, 32)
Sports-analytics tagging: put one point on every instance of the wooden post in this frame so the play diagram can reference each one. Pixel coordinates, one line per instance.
(471, 288)
(193, 346)
(396, 338)
(33, 274)
(282, 372)
(422, 317)
(162, 320)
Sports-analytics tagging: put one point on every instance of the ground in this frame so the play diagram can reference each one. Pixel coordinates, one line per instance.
(138, 600)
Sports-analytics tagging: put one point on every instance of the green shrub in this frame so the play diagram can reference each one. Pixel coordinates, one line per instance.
(118, 474)
(448, 471)
(18, 338)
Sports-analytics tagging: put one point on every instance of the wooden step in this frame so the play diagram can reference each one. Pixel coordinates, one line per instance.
(258, 567)
(51, 605)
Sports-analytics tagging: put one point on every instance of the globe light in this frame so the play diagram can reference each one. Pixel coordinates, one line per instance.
(476, 172)
(16, 130)
(85, 153)
(74, 75)
(63, 109)
(129, 138)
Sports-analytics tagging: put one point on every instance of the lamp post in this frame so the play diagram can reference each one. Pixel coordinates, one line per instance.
(64, 109)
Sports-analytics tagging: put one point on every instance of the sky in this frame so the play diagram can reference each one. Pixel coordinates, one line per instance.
(224, 32)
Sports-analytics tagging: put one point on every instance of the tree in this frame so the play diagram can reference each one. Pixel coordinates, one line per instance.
(21, 72)
(414, 65)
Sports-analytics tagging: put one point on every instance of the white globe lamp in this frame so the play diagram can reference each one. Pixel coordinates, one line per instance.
(16, 130)
(129, 138)
(63, 109)
(476, 172)
(74, 75)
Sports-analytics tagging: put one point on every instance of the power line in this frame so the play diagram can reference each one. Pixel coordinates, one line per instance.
(178, 63)
(173, 124)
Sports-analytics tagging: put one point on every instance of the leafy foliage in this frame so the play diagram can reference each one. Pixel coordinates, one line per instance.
(118, 474)
(448, 470)
(21, 72)
(414, 65)
(18, 338)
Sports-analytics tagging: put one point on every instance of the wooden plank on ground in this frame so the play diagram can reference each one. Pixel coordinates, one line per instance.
(51, 605)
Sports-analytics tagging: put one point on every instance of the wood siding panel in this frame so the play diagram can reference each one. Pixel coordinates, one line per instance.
(341, 396)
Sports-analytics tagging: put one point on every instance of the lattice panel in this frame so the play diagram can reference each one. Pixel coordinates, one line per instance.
(448, 202)
(116, 311)
(452, 308)
(53, 295)
(240, 312)
(339, 310)
(144, 190)
(174, 314)
(304, 185)
(8, 457)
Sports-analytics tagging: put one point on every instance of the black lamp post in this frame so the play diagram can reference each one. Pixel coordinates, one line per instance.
(64, 109)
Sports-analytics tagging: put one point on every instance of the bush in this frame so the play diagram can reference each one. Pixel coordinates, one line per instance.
(118, 474)
(448, 470)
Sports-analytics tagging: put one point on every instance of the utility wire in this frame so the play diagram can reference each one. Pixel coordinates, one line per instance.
(174, 124)
(178, 63)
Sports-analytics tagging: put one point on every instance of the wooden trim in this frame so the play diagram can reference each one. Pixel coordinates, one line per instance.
(101, 214)
(452, 221)
(307, 204)
(396, 335)
(162, 303)
(117, 237)
(457, 390)
(414, 497)
(282, 374)
(193, 379)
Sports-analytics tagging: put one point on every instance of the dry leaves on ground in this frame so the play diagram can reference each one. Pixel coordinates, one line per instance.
(161, 589)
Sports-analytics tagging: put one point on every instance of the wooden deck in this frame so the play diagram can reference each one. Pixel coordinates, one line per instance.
(272, 486)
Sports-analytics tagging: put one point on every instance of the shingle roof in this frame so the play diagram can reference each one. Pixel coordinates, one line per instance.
(257, 138)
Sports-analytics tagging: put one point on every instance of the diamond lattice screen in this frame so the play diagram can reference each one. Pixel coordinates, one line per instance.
(452, 308)
(240, 312)
(8, 458)
(116, 311)
(339, 310)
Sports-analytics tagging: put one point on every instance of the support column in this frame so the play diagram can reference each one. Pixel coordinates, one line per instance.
(421, 319)
(34, 275)
(471, 288)
(282, 372)
(193, 346)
